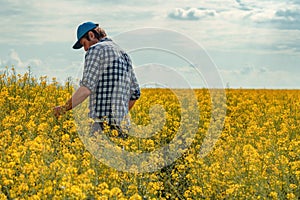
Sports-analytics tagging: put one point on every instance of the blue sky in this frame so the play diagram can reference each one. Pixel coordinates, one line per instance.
(253, 44)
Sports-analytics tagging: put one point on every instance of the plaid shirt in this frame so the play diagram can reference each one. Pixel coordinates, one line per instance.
(109, 75)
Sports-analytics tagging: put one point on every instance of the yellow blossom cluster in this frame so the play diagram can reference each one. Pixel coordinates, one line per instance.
(256, 156)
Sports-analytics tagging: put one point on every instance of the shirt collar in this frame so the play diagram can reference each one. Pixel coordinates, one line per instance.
(102, 40)
(105, 39)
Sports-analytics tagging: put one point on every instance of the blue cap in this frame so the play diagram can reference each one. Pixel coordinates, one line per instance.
(81, 30)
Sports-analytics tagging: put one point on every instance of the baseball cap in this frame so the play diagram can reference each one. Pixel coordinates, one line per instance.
(81, 30)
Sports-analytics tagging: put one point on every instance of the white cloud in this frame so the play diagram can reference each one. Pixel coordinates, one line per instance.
(272, 14)
(191, 13)
(263, 77)
(21, 65)
(228, 26)
(42, 68)
(13, 59)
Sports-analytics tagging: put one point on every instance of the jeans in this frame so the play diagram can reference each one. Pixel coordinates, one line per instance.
(98, 127)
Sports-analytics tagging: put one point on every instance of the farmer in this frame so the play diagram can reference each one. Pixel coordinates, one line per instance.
(108, 79)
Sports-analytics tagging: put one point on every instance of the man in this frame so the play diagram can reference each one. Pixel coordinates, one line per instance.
(108, 78)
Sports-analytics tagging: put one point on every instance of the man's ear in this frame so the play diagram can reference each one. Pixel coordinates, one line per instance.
(91, 35)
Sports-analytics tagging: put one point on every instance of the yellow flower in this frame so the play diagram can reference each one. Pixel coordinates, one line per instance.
(293, 186)
(132, 189)
(102, 186)
(8, 182)
(116, 192)
(23, 188)
(273, 195)
(106, 192)
(291, 196)
(2, 196)
(256, 151)
(114, 133)
(135, 197)
(187, 194)
(77, 192)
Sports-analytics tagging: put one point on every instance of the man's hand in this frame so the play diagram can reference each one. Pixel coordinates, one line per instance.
(58, 111)
(78, 97)
(131, 104)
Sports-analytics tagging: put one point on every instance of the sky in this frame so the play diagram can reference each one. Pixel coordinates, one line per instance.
(246, 43)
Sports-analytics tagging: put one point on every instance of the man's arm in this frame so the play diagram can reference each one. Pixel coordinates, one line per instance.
(131, 104)
(78, 97)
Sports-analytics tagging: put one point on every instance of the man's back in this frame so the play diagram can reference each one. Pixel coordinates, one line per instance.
(108, 73)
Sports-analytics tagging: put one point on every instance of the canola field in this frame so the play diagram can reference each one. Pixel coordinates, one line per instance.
(256, 155)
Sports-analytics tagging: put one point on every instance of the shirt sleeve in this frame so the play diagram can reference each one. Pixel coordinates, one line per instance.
(135, 92)
(91, 69)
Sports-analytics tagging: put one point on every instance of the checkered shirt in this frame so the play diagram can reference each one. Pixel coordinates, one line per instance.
(109, 75)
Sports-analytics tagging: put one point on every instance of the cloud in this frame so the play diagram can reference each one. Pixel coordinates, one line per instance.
(271, 14)
(242, 5)
(41, 68)
(265, 27)
(247, 70)
(259, 77)
(13, 59)
(36, 21)
(191, 13)
(287, 18)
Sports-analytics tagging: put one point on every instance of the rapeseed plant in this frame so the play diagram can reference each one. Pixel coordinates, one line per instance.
(255, 157)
